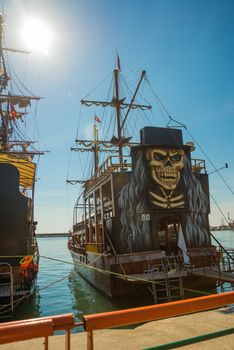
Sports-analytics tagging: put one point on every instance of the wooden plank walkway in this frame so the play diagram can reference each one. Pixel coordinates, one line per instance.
(152, 276)
(5, 291)
(207, 272)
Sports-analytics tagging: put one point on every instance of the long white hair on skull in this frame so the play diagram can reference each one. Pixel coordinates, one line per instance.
(197, 219)
(135, 233)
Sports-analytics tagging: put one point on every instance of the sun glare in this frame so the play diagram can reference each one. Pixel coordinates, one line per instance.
(37, 36)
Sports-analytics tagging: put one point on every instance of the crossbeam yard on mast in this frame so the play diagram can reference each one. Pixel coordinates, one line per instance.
(9, 98)
(81, 149)
(114, 103)
(88, 143)
(109, 147)
(75, 182)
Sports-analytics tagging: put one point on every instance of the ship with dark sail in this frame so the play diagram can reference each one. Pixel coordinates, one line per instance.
(19, 256)
(141, 221)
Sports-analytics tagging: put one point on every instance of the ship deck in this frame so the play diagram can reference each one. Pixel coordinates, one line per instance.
(152, 276)
(5, 291)
(213, 274)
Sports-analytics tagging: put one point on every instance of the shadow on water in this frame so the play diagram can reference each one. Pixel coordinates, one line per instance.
(87, 299)
(28, 308)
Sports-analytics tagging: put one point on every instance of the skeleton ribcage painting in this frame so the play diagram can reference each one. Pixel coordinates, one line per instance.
(165, 166)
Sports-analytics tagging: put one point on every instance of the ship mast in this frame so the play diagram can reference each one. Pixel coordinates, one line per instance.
(118, 114)
(8, 114)
(118, 104)
(95, 147)
(3, 84)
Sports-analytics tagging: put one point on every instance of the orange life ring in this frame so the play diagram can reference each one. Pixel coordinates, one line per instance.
(26, 260)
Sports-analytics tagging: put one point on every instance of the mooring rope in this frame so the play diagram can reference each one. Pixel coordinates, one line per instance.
(15, 303)
(52, 283)
(122, 276)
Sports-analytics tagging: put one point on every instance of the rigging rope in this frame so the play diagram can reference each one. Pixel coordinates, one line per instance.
(97, 86)
(55, 282)
(206, 156)
(15, 303)
(201, 149)
(221, 212)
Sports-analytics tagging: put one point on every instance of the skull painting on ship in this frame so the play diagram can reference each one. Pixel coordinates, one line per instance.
(165, 166)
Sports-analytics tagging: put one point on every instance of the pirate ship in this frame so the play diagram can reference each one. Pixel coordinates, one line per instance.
(141, 220)
(18, 246)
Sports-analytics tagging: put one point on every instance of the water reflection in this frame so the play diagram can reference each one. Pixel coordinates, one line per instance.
(87, 299)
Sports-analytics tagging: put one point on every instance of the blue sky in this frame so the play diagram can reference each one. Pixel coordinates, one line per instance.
(187, 49)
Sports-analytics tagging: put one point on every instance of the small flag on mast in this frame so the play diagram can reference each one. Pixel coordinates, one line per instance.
(13, 111)
(97, 119)
(118, 63)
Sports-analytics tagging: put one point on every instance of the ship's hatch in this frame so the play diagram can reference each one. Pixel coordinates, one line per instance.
(166, 235)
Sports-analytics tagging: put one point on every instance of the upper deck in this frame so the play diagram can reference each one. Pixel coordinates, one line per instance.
(113, 165)
(109, 166)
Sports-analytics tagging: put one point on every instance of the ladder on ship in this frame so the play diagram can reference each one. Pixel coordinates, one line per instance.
(6, 288)
(227, 260)
(223, 265)
(220, 268)
(226, 267)
(167, 277)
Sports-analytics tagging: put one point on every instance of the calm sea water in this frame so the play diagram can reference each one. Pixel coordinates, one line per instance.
(73, 294)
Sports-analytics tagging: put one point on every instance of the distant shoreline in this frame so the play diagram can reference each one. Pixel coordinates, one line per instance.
(66, 234)
(222, 228)
(48, 235)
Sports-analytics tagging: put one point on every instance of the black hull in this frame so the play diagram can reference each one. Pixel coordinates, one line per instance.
(17, 239)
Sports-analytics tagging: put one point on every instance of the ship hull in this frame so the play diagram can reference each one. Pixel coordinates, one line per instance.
(95, 277)
(130, 276)
(17, 240)
(100, 271)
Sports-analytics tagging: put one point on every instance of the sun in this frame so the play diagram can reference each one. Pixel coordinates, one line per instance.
(36, 36)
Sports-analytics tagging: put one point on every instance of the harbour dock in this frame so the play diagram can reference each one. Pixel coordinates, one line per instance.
(149, 334)
(198, 323)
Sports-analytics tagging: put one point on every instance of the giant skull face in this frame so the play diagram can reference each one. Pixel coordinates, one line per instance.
(165, 166)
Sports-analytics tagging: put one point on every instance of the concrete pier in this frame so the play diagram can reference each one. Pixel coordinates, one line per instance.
(149, 334)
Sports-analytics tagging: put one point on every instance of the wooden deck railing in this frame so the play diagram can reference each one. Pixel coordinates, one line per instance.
(46, 326)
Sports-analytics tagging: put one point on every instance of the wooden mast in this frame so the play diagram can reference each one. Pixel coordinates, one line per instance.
(117, 103)
(6, 114)
(95, 147)
(3, 84)
(118, 115)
